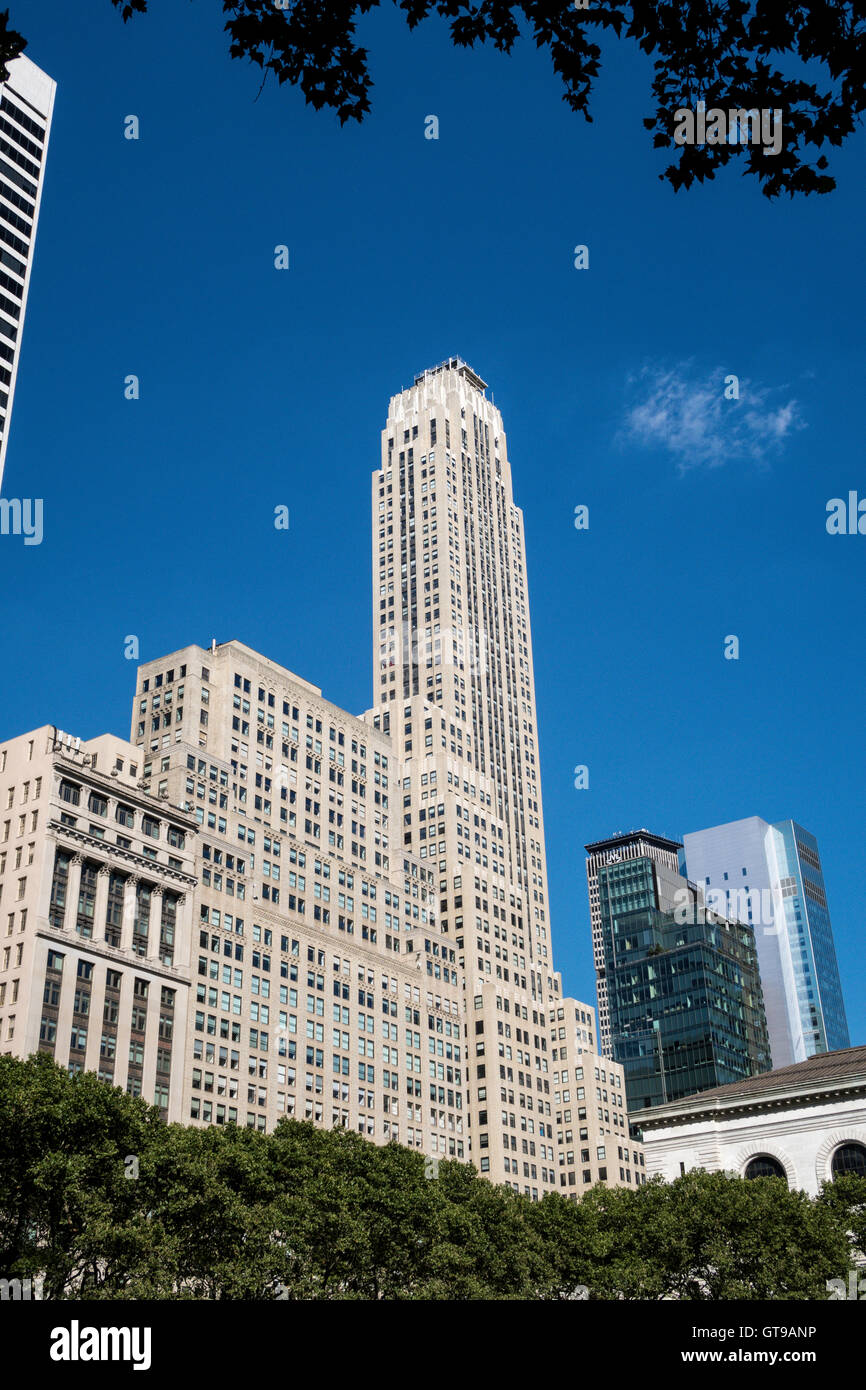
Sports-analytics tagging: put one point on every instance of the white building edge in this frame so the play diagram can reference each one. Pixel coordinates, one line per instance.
(27, 107)
(807, 1122)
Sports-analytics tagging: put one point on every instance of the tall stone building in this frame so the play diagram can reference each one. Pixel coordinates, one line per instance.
(452, 660)
(592, 1123)
(360, 923)
(322, 986)
(96, 880)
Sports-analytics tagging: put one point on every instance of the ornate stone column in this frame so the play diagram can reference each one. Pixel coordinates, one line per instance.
(129, 893)
(73, 892)
(101, 904)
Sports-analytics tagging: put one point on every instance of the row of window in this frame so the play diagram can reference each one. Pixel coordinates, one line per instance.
(848, 1160)
(124, 815)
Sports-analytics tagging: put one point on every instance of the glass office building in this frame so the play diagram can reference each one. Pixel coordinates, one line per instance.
(807, 919)
(770, 875)
(681, 981)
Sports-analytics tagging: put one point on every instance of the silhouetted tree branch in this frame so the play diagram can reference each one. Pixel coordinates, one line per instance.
(724, 54)
(12, 45)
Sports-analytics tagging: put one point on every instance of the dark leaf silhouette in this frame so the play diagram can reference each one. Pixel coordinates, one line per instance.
(724, 54)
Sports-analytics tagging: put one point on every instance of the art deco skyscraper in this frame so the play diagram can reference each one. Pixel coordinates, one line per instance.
(26, 105)
(452, 657)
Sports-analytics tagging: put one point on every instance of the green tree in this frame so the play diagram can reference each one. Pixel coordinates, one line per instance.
(716, 1236)
(806, 58)
(486, 1247)
(64, 1189)
(106, 1201)
(846, 1199)
(348, 1214)
(578, 1245)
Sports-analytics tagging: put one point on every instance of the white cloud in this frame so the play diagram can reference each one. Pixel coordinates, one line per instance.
(673, 409)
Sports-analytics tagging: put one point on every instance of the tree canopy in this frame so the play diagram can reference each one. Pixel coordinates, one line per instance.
(103, 1200)
(12, 45)
(804, 58)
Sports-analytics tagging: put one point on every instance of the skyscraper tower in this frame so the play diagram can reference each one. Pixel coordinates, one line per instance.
(771, 875)
(681, 982)
(452, 657)
(26, 105)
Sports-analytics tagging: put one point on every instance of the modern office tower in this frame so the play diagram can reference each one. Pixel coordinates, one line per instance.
(770, 875)
(453, 674)
(591, 1119)
(681, 981)
(26, 105)
(322, 986)
(96, 880)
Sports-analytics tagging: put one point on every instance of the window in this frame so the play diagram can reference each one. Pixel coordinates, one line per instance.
(849, 1160)
(765, 1166)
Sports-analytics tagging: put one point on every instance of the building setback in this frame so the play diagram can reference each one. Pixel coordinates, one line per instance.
(592, 1123)
(681, 983)
(26, 107)
(771, 876)
(362, 938)
(322, 987)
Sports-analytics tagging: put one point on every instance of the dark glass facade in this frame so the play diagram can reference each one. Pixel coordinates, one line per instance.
(686, 1007)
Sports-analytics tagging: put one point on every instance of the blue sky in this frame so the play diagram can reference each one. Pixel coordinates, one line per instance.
(261, 387)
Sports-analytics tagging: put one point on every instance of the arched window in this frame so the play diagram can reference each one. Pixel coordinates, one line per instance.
(763, 1166)
(849, 1160)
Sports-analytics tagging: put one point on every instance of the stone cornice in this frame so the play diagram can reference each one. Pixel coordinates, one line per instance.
(146, 964)
(150, 868)
(724, 1107)
(123, 791)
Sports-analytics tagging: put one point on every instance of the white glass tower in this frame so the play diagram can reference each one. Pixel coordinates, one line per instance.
(771, 876)
(26, 105)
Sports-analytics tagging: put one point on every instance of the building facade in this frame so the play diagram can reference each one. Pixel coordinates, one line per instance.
(26, 107)
(805, 1123)
(96, 880)
(592, 1122)
(322, 986)
(454, 688)
(681, 981)
(771, 876)
(361, 925)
